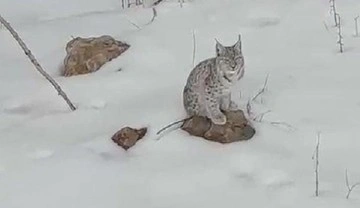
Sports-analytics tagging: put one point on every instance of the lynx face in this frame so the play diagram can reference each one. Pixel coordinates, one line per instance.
(230, 61)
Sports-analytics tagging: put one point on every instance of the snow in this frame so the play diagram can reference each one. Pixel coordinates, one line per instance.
(51, 157)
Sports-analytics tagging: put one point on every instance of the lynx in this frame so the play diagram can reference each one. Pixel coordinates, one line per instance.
(208, 89)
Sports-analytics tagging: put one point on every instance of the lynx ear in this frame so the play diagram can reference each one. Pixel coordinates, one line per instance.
(237, 45)
(220, 49)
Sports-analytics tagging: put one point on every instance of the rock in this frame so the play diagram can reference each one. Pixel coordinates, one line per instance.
(86, 55)
(237, 128)
(127, 137)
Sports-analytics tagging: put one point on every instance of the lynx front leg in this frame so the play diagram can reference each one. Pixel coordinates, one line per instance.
(213, 108)
(227, 104)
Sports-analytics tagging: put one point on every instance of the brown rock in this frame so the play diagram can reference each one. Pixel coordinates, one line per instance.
(86, 55)
(202, 125)
(127, 137)
(237, 128)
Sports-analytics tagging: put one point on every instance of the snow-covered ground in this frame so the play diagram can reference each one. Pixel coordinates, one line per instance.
(51, 157)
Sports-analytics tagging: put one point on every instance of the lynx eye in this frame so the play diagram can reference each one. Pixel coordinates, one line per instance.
(227, 61)
(239, 58)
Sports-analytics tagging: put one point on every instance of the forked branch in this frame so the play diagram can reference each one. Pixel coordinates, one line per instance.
(349, 187)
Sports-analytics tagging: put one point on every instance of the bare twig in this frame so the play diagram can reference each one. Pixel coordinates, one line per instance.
(340, 37)
(157, 2)
(36, 63)
(194, 48)
(262, 90)
(153, 17)
(154, 14)
(134, 24)
(249, 109)
(282, 123)
(259, 117)
(349, 187)
(333, 11)
(151, 20)
(325, 25)
(316, 158)
(356, 26)
(172, 124)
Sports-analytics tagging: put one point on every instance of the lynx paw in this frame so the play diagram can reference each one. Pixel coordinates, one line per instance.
(233, 106)
(219, 119)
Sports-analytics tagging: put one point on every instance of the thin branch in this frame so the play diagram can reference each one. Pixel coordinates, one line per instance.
(154, 14)
(316, 158)
(36, 63)
(260, 117)
(153, 17)
(134, 24)
(349, 187)
(356, 26)
(172, 124)
(194, 48)
(151, 20)
(249, 108)
(340, 37)
(157, 2)
(262, 90)
(333, 10)
(325, 25)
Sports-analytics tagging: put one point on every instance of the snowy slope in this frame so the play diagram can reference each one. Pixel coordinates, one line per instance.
(51, 157)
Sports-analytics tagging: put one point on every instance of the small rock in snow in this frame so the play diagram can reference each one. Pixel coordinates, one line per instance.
(127, 137)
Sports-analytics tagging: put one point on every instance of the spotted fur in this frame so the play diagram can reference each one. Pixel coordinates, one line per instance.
(208, 88)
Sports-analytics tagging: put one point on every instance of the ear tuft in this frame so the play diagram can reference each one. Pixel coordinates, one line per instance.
(237, 45)
(220, 49)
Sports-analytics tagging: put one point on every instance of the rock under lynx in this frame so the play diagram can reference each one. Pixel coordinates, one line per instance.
(208, 89)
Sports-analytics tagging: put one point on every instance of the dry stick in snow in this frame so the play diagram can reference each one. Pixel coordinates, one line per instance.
(131, 22)
(172, 124)
(260, 117)
(262, 90)
(333, 10)
(248, 105)
(281, 123)
(325, 25)
(153, 17)
(356, 26)
(316, 158)
(151, 21)
(157, 2)
(349, 187)
(340, 37)
(194, 48)
(249, 109)
(36, 63)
